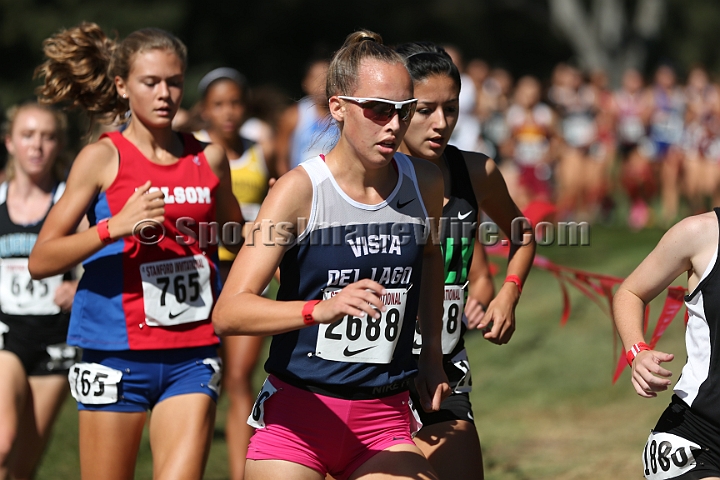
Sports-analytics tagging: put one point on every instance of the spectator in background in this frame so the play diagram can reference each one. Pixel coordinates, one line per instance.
(529, 162)
(466, 135)
(666, 101)
(574, 102)
(306, 129)
(632, 113)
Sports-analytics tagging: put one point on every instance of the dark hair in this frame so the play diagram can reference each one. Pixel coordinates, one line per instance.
(425, 59)
(223, 73)
(82, 63)
(343, 69)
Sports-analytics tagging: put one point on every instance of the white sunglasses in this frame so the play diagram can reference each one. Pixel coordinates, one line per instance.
(382, 109)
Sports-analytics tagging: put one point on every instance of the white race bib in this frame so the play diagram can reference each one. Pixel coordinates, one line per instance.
(21, 295)
(453, 308)
(363, 339)
(176, 291)
(257, 415)
(94, 384)
(668, 456)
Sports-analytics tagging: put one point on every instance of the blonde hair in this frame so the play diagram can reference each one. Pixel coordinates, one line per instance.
(82, 63)
(62, 161)
(343, 69)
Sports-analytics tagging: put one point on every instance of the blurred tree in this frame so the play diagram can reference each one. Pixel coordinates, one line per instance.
(612, 35)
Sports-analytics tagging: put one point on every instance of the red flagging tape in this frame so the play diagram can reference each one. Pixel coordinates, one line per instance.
(599, 289)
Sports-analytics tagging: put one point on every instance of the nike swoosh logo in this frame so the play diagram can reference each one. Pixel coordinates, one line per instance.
(401, 205)
(349, 353)
(175, 315)
(463, 216)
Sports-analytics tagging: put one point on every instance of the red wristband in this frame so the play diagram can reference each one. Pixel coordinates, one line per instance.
(307, 312)
(516, 280)
(104, 232)
(634, 350)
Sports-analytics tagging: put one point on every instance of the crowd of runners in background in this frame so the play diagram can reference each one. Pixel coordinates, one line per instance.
(636, 154)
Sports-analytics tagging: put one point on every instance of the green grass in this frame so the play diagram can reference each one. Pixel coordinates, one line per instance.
(544, 404)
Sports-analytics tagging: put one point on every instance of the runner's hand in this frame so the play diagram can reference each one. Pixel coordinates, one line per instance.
(142, 205)
(648, 377)
(499, 319)
(431, 382)
(474, 311)
(356, 299)
(65, 294)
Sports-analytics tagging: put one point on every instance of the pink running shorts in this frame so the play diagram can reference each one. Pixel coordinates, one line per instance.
(330, 435)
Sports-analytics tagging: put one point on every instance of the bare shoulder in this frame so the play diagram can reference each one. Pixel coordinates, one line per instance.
(702, 228)
(290, 197)
(476, 160)
(430, 182)
(479, 165)
(215, 155)
(96, 162)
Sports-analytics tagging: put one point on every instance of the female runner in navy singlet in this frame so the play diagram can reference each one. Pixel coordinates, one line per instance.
(142, 309)
(472, 182)
(353, 274)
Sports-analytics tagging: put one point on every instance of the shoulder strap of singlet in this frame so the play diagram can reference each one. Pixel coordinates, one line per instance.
(193, 146)
(59, 190)
(460, 183)
(405, 166)
(3, 192)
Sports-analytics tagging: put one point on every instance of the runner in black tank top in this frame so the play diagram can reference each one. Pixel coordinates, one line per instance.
(34, 315)
(685, 443)
(471, 182)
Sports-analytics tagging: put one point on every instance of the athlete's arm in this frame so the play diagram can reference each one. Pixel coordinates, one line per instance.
(494, 199)
(58, 247)
(431, 381)
(481, 289)
(687, 245)
(226, 205)
(242, 310)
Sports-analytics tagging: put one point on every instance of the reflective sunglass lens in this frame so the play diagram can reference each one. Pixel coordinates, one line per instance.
(381, 109)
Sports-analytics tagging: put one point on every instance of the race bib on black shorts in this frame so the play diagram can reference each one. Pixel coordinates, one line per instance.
(21, 295)
(668, 456)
